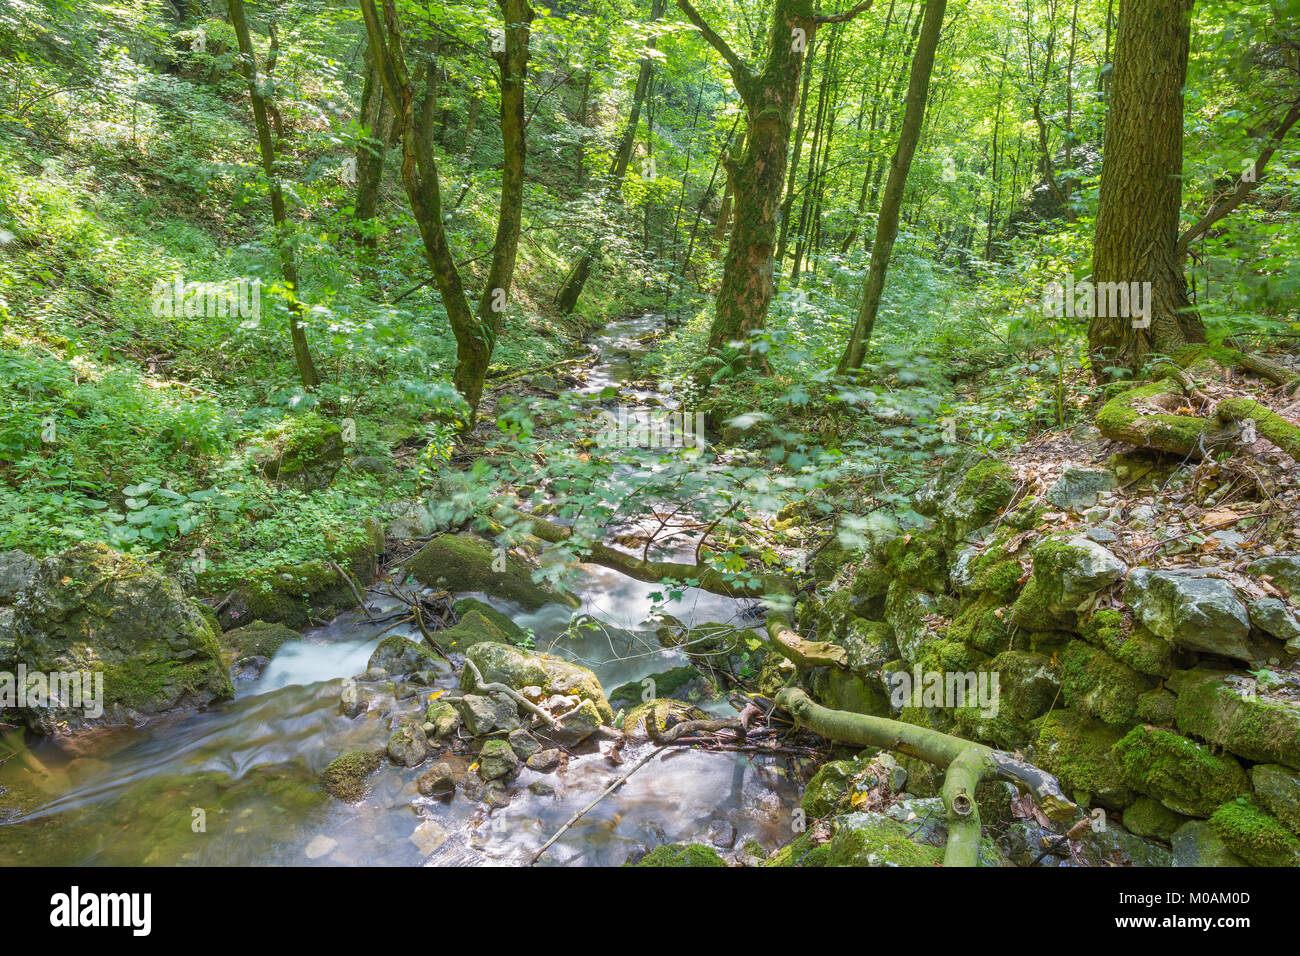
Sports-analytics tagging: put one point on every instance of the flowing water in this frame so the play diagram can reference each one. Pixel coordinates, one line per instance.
(237, 783)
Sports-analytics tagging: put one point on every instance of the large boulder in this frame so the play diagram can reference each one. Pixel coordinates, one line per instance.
(1182, 774)
(966, 494)
(1196, 612)
(518, 669)
(303, 452)
(1232, 711)
(1255, 835)
(1278, 788)
(1096, 684)
(466, 563)
(1196, 844)
(92, 609)
(1078, 751)
(1079, 487)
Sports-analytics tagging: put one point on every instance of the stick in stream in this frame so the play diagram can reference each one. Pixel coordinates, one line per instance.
(355, 593)
(604, 793)
(510, 692)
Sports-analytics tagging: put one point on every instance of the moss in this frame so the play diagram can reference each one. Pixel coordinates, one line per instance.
(1078, 750)
(1000, 580)
(474, 627)
(460, 563)
(799, 852)
(1129, 643)
(1180, 773)
(1151, 818)
(258, 639)
(1213, 709)
(915, 560)
(990, 485)
(871, 839)
(142, 683)
(1096, 684)
(346, 775)
(1255, 835)
(831, 786)
(1156, 707)
(503, 622)
(682, 854)
(983, 624)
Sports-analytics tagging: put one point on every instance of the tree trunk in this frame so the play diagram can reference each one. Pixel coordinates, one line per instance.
(376, 119)
(1141, 188)
(476, 330)
(288, 263)
(887, 224)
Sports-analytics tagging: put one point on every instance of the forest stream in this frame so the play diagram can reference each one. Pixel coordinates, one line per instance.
(247, 771)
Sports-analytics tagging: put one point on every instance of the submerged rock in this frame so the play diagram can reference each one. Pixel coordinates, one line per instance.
(346, 776)
(93, 610)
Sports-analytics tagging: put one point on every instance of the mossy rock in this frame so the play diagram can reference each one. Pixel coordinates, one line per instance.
(258, 639)
(984, 624)
(1078, 750)
(868, 587)
(860, 839)
(94, 610)
(464, 563)
(1182, 774)
(1197, 844)
(680, 683)
(1066, 571)
(399, 655)
(917, 561)
(295, 595)
(1217, 708)
(475, 627)
(518, 669)
(1278, 788)
(1157, 707)
(665, 713)
(1096, 684)
(681, 854)
(1028, 683)
(303, 452)
(829, 786)
(346, 776)
(1129, 643)
(502, 621)
(906, 613)
(1151, 818)
(869, 646)
(844, 690)
(966, 494)
(1254, 835)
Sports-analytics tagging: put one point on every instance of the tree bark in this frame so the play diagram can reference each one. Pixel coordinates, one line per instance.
(288, 262)
(1136, 234)
(887, 223)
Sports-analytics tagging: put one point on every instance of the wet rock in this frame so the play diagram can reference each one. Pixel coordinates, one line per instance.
(679, 683)
(576, 725)
(722, 834)
(400, 656)
(346, 776)
(484, 715)
(1228, 711)
(248, 669)
(92, 609)
(523, 743)
(1182, 774)
(497, 761)
(17, 569)
(438, 781)
(357, 698)
(1065, 573)
(665, 713)
(545, 761)
(518, 668)
(428, 837)
(1196, 844)
(1199, 613)
(466, 563)
(1274, 618)
(443, 719)
(258, 639)
(407, 747)
(319, 846)
(1079, 488)
(1278, 788)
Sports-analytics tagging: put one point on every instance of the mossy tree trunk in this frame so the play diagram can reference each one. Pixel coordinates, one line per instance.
(266, 146)
(887, 223)
(1136, 235)
(475, 329)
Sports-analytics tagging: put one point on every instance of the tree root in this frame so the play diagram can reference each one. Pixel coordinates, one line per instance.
(968, 763)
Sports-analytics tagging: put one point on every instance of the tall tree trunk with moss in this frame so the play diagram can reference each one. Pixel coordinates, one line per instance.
(475, 329)
(566, 300)
(882, 247)
(1136, 235)
(758, 175)
(266, 146)
(376, 120)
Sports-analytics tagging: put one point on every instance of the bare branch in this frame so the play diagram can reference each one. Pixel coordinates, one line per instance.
(844, 17)
(739, 68)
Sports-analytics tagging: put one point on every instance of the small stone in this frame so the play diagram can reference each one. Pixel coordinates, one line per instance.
(497, 761)
(722, 834)
(544, 761)
(439, 780)
(319, 846)
(408, 746)
(428, 836)
(1273, 617)
(1079, 488)
(523, 744)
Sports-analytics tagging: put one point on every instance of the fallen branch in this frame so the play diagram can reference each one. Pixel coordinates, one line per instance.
(967, 763)
(804, 653)
(522, 701)
(355, 592)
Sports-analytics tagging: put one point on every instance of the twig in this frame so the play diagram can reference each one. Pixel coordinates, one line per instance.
(605, 793)
(355, 593)
(510, 692)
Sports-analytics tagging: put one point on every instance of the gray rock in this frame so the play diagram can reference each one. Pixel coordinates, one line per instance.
(408, 746)
(1283, 569)
(577, 725)
(1101, 535)
(7, 637)
(1195, 612)
(1079, 488)
(483, 715)
(1278, 787)
(438, 781)
(544, 761)
(17, 568)
(1273, 617)
(497, 761)
(523, 743)
(1196, 844)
